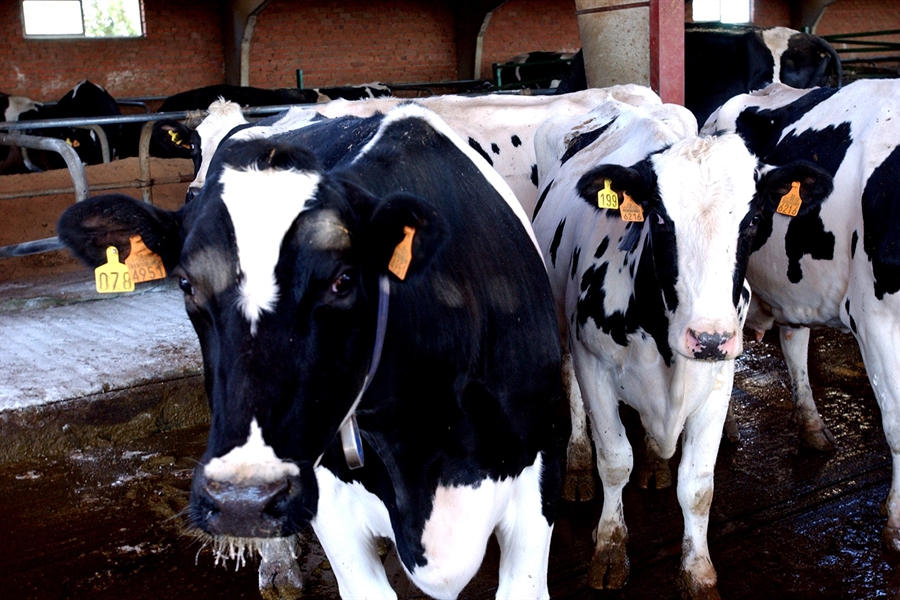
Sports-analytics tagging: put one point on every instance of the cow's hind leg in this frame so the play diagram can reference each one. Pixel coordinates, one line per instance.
(579, 478)
(700, 445)
(814, 433)
(610, 567)
(524, 537)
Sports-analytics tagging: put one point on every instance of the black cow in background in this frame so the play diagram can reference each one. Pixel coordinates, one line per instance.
(535, 70)
(722, 61)
(170, 141)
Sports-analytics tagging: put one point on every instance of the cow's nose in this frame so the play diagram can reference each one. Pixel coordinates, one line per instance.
(710, 345)
(244, 510)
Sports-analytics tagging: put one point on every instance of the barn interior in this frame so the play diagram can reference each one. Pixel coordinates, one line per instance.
(102, 408)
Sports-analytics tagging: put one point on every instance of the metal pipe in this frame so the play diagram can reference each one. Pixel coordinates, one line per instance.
(35, 247)
(76, 168)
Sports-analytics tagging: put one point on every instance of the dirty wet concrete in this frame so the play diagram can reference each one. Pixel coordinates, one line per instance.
(102, 517)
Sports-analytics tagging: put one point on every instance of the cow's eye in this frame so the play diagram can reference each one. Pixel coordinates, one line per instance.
(754, 220)
(342, 284)
(186, 286)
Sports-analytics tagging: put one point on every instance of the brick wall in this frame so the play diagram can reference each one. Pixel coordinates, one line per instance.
(520, 26)
(182, 49)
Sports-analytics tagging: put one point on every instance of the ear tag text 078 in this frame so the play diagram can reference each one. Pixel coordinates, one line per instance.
(790, 202)
(607, 197)
(144, 264)
(402, 256)
(630, 210)
(113, 276)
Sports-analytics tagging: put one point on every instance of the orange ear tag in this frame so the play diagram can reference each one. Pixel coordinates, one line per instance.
(790, 202)
(399, 264)
(607, 197)
(630, 210)
(113, 276)
(144, 264)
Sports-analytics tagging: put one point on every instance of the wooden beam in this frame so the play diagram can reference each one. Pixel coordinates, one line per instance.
(667, 49)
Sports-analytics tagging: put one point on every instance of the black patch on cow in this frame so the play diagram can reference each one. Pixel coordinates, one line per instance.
(543, 196)
(583, 140)
(850, 317)
(602, 248)
(748, 231)
(806, 235)
(853, 241)
(477, 147)
(557, 238)
(534, 175)
(495, 148)
(810, 61)
(575, 256)
(881, 220)
(516, 142)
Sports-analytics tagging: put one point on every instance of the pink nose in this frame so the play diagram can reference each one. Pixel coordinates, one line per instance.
(710, 345)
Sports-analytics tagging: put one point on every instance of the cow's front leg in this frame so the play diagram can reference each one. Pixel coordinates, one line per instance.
(700, 445)
(814, 433)
(348, 522)
(609, 566)
(579, 477)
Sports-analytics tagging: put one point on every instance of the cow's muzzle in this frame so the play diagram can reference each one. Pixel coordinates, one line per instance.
(246, 510)
(711, 345)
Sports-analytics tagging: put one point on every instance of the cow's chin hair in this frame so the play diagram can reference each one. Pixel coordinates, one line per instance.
(240, 550)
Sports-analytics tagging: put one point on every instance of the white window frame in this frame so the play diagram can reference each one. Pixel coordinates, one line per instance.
(725, 7)
(78, 35)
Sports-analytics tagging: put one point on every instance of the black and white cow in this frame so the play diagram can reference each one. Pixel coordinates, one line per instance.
(10, 156)
(534, 70)
(653, 309)
(170, 137)
(837, 264)
(452, 370)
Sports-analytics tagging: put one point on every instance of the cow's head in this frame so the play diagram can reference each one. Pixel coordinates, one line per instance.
(280, 266)
(702, 199)
(199, 144)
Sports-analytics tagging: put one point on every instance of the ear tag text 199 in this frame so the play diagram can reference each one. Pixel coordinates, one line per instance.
(402, 256)
(113, 276)
(630, 210)
(144, 264)
(790, 202)
(607, 197)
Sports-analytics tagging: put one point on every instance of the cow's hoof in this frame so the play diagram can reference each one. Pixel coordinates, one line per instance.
(695, 589)
(656, 470)
(578, 486)
(609, 568)
(891, 537)
(820, 440)
(732, 431)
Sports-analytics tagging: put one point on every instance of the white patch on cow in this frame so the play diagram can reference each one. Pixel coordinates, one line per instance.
(262, 206)
(777, 39)
(291, 120)
(254, 463)
(18, 105)
(413, 111)
(223, 116)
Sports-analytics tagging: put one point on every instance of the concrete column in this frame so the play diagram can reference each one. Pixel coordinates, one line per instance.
(616, 41)
(667, 49)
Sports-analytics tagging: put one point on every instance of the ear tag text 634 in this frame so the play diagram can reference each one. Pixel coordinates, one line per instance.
(402, 256)
(607, 197)
(790, 202)
(144, 264)
(630, 210)
(113, 276)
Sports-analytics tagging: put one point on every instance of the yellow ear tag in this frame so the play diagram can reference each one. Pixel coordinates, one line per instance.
(790, 202)
(113, 276)
(630, 210)
(143, 263)
(399, 264)
(176, 139)
(73, 143)
(607, 197)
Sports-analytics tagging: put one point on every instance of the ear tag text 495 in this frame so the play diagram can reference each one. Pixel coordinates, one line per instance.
(790, 202)
(402, 256)
(607, 197)
(144, 264)
(113, 276)
(630, 210)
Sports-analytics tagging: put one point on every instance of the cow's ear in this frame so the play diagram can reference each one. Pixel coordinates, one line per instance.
(174, 136)
(404, 234)
(637, 181)
(777, 185)
(89, 227)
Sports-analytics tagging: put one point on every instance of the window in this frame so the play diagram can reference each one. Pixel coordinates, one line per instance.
(725, 11)
(82, 18)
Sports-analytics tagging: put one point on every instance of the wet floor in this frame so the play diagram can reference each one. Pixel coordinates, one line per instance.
(105, 522)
